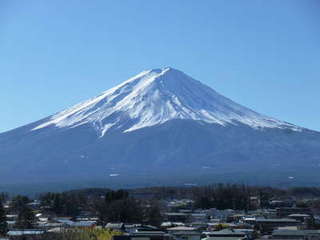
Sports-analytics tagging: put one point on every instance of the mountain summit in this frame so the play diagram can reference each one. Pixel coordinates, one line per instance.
(154, 97)
(159, 127)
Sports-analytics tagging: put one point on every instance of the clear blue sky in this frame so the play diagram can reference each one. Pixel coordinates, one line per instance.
(264, 54)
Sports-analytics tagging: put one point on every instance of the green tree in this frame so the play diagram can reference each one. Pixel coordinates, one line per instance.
(19, 202)
(153, 214)
(57, 205)
(26, 218)
(3, 221)
(63, 203)
(119, 207)
(3, 197)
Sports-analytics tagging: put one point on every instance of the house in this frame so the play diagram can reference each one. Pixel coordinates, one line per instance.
(219, 226)
(25, 234)
(250, 233)
(199, 225)
(288, 228)
(150, 235)
(171, 224)
(199, 217)
(132, 228)
(281, 203)
(49, 225)
(35, 204)
(267, 225)
(11, 224)
(64, 220)
(286, 211)
(249, 220)
(116, 226)
(83, 224)
(270, 213)
(220, 214)
(185, 233)
(296, 234)
(225, 238)
(300, 217)
(226, 234)
(235, 217)
(178, 204)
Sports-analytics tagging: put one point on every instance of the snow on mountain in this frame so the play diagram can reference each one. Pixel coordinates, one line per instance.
(154, 97)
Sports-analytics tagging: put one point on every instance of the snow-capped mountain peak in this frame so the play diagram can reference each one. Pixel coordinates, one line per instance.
(154, 97)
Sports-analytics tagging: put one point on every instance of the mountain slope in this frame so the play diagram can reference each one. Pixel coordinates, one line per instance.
(154, 97)
(159, 127)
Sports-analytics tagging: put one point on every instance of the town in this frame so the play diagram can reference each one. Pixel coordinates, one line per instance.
(215, 212)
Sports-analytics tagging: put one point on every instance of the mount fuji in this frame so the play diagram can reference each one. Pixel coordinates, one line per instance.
(159, 127)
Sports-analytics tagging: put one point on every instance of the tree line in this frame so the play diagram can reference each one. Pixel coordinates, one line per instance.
(125, 206)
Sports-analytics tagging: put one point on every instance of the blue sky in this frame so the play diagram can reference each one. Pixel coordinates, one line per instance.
(264, 54)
